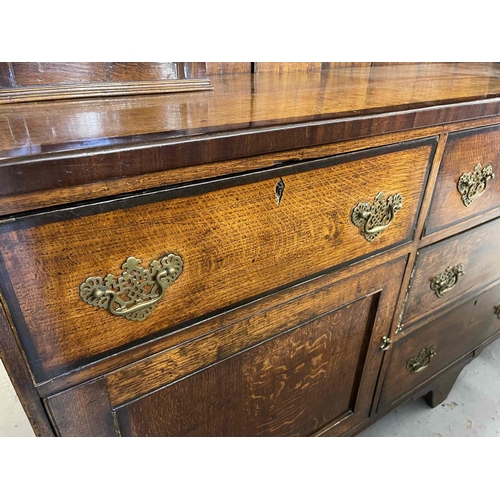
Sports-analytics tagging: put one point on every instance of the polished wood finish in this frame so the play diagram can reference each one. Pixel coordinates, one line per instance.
(300, 379)
(7, 79)
(477, 250)
(20, 377)
(242, 102)
(111, 187)
(83, 412)
(291, 385)
(27, 74)
(79, 91)
(279, 68)
(442, 387)
(264, 283)
(214, 323)
(213, 347)
(454, 334)
(464, 151)
(245, 101)
(236, 243)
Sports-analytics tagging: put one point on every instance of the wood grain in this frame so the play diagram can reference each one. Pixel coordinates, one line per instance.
(286, 67)
(186, 358)
(245, 101)
(110, 187)
(216, 322)
(443, 386)
(457, 332)
(83, 411)
(17, 369)
(28, 74)
(288, 386)
(236, 243)
(226, 68)
(279, 379)
(106, 89)
(464, 151)
(7, 79)
(332, 65)
(476, 249)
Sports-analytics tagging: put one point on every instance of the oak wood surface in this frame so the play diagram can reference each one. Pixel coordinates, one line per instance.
(236, 243)
(39, 170)
(27, 74)
(463, 152)
(454, 334)
(83, 412)
(7, 78)
(245, 101)
(20, 376)
(283, 383)
(477, 250)
(288, 386)
(167, 366)
(443, 386)
(215, 322)
(106, 89)
(289, 115)
(110, 187)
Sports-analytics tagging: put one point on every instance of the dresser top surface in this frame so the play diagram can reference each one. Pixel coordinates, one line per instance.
(240, 102)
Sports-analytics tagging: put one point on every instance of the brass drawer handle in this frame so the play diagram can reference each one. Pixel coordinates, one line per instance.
(471, 185)
(135, 293)
(445, 281)
(373, 219)
(386, 343)
(421, 360)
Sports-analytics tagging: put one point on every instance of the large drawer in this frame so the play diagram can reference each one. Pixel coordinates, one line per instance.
(468, 182)
(448, 269)
(432, 347)
(229, 241)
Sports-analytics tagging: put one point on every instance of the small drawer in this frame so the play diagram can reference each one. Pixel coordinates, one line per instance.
(101, 277)
(468, 182)
(432, 347)
(446, 270)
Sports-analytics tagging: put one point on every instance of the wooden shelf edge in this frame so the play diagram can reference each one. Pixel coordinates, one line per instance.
(78, 91)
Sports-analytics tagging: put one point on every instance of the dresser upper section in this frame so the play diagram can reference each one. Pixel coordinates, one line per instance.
(247, 101)
(96, 147)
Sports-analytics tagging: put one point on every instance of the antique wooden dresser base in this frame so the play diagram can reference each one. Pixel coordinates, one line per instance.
(292, 254)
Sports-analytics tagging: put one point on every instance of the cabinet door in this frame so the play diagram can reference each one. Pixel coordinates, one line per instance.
(296, 367)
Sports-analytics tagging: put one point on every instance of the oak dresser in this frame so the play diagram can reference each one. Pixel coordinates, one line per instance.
(294, 250)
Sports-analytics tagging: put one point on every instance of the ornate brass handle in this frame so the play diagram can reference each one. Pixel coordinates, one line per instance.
(445, 281)
(373, 219)
(386, 343)
(471, 185)
(421, 360)
(135, 293)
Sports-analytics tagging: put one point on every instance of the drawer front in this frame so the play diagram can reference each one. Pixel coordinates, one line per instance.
(429, 349)
(293, 369)
(229, 241)
(468, 182)
(448, 269)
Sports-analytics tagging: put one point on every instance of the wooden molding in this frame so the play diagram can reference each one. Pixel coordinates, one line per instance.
(103, 89)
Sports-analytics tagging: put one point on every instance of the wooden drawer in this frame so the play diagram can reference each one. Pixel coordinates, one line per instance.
(302, 366)
(451, 336)
(448, 269)
(464, 152)
(237, 239)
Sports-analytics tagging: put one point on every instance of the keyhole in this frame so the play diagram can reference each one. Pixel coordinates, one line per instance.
(280, 189)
